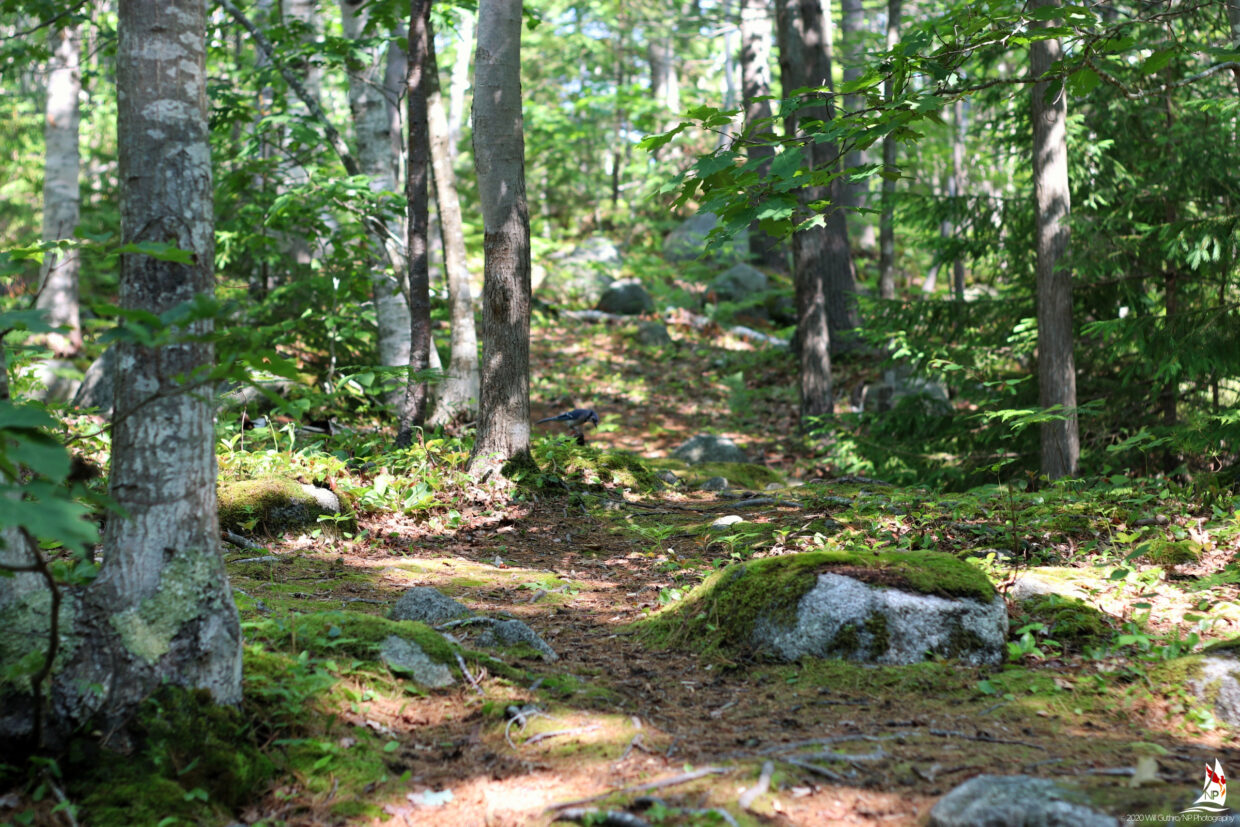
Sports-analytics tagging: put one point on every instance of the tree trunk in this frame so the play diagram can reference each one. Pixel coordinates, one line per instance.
(460, 79)
(1056, 367)
(374, 93)
(822, 262)
(887, 220)
(304, 15)
(457, 395)
(160, 610)
(58, 288)
(413, 411)
(756, 34)
(499, 158)
(852, 31)
(958, 187)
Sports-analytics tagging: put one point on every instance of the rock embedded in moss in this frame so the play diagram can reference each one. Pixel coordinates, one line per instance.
(271, 506)
(427, 605)
(890, 607)
(406, 656)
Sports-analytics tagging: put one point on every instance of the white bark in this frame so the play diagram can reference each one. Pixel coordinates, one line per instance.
(58, 293)
(460, 78)
(374, 94)
(457, 395)
(886, 220)
(499, 158)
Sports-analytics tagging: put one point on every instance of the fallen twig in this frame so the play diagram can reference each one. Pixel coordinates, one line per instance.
(460, 661)
(683, 778)
(542, 736)
(989, 739)
(814, 768)
(270, 558)
(604, 818)
(241, 542)
(749, 796)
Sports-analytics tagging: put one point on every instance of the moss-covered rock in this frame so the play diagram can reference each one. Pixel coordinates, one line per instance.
(1169, 553)
(761, 604)
(270, 506)
(1069, 620)
(747, 475)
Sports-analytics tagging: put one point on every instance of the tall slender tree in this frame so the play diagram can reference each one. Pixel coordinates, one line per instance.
(822, 263)
(499, 159)
(886, 219)
(417, 168)
(1056, 363)
(457, 395)
(756, 36)
(852, 55)
(58, 289)
(374, 93)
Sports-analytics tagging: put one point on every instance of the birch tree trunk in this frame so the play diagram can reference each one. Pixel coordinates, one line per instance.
(457, 395)
(958, 187)
(58, 282)
(460, 78)
(374, 94)
(499, 158)
(886, 219)
(160, 610)
(413, 411)
(852, 31)
(756, 35)
(1056, 366)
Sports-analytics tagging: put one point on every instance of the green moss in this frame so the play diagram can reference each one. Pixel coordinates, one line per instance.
(270, 506)
(1224, 647)
(722, 610)
(336, 633)
(1172, 552)
(1069, 620)
(195, 761)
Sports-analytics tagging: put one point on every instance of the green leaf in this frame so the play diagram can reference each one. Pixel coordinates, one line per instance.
(1157, 61)
(160, 250)
(1081, 82)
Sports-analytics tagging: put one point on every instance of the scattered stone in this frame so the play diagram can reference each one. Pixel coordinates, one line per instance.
(739, 283)
(428, 605)
(688, 241)
(668, 477)
(403, 655)
(709, 448)
(844, 617)
(726, 522)
(626, 297)
(274, 506)
(898, 383)
(515, 633)
(714, 484)
(1029, 586)
(653, 334)
(1015, 801)
(584, 272)
(1216, 683)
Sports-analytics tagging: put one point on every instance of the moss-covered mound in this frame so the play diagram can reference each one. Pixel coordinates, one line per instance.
(192, 755)
(721, 612)
(748, 475)
(270, 506)
(1069, 620)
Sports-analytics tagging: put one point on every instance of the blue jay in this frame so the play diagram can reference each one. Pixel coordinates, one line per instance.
(575, 419)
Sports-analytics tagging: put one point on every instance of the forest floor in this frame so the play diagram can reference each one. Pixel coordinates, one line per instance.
(848, 744)
(676, 737)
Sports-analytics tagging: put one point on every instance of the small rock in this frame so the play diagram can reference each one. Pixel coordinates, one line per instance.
(404, 655)
(626, 297)
(427, 605)
(709, 448)
(739, 282)
(714, 484)
(653, 334)
(1015, 801)
(668, 477)
(514, 632)
(1217, 685)
(726, 522)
